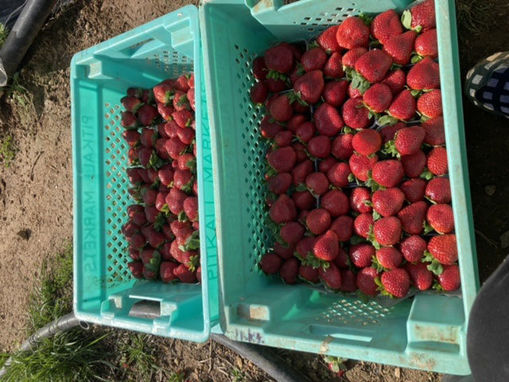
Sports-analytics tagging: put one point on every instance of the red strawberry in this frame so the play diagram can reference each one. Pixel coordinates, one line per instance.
(191, 98)
(437, 161)
(413, 189)
(387, 173)
(351, 57)
(400, 47)
(146, 156)
(421, 277)
(352, 33)
(373, 65)
(149, 196)
(326, 164)
(191, 207)
(137, 214)
(327, 40)
(403, 106)
(295, 122)
(343, 227)
(259, 93)
(165, 111)
(388, 202)
(426, 44)
(308, 273)
(366, 281)
(387, 230)
(414, 164)
(353, 92)
(318, 221)
(342, 146)
(435, 134)
(282, 159)
(283, 251)
(183, 118)
(319, 146)
(367, 142)
(166, 271)
(360, 199)
(161, 201)
(147, 114)
(259, 68)
(283, 210)
(180, 101)
(289, 271)
(317, 183)
(148, 137)
(396, 282)
(342, 260)
(154, 238)
(378, 98)
(134, 176)
(338, 174)
(361, 254)
(165, 175)
(136, 269)
(174, 147)
(334, 66)
(301, 171)
(279, 58)
(269, 129)
(361, 165)
(450, 279)
(441, 218)
(183, 180)
(305, 246)
(281, 109)
(310, 86)
(151, 214)
(184, 274)
(134, 92)
(186, 162)
(130, 228)
(283, 138)
(160, 147)
(334, 92)
(388, 132)
(132, 137)
(131, 104)
(439, 190)
(280, 183)
(396, 81)
(181, 229)
(292, 232)
(327, 120)
(385, 25)
(170, 129)
(336, 202)
(137, 240)
(182, 83)
(128, 120)
(420, 16)
(389, 257)
(175, 201)
(355, 115)
(314, 59)
(424, 75)
(331, 276)
(275, 85)
(326, 246)
(412, 217)
(305, 131)
(347, 281)
(444, 249)
(300, 152)
(163, 93)
(270, 263)
(363, 224)
(430, 104)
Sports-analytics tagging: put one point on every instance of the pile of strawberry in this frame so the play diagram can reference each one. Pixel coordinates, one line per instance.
(359, 196)
(162, 230)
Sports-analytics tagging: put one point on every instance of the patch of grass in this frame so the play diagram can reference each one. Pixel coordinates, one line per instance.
(7, 151)
(3, 34)
(238, 376)
(137, 356)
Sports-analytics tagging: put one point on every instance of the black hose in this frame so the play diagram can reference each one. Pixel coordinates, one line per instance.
(28, 24)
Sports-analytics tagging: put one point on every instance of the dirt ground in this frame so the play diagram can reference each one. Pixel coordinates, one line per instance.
(36, 189)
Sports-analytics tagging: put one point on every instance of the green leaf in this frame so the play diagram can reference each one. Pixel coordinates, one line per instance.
(351, 177)
(426, 175)
(182, 217)
(427, 258)
(435, 267)
(415, 92)
(387, 120)
(348, 130)
(366, 19)
(301, 187)
(368, 203)
(406, 19)
(193, 262)
(390, 149)
(427, 228)
(378, 282)
(376, 215)
(191, 164)
(313, 44)
(416, 58)
(160, 221)
(437, 287)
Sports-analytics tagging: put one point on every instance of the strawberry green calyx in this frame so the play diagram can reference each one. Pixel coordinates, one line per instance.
(376, 215)
(387, 120)
(366, 19)
(160, 220)
(427, 228)
(193, 263)
(155, 162)
(406, 20)
(192, 243)
(312, 261)
(376, 265)
(416, 58)
(433, 265)
(427, 175)
(182, 217)
(359, 82)
(275, 75)
(390, 149)
(381, 288)
(296, 97)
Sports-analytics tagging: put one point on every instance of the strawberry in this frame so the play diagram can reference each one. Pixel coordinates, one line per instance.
(305, 246)
(388, 202)
(420, 16)
(367, 142)
(414, 164)
(136, 269)
(152, 214)
(327, 120)
(395, 80)
(347, 281)
(147, 114)
(450, 279)
(326, 164)
(182, 83)
(186, 161)
(343, 228)
(444, 249)
(180, 101)
(424, 75)
(161, 201)
(361, 165)
(137, 214)
(289, 271)
(292, 232)
(165, 111)
(330, 276)
(132, 137)
(336, 202)
(413, 189)
(191, 208)
(165, 175)
(163, 93)
(317, 183)
(259, 68)
(421, 277)
(283, 210)
(181, 229)
(296, 121)
(149, 274)
(334, 92)
(378, 98)
(283, 138)
(389, 257)
(183, 180)
(270, 263)
(334, 66)
(131, 103)
(310, 86)
(134, 176)
(314, 59)
(148, 137)
(166, 271)
(439, 190)
(154, 238)
(184, 274)
(426, 44)
(338, 174)
(300, 152)
(327, 40)
(283, 251)
(350, 57)
(275, 85)
(259, 93)
(279, 58)
(342, 260)
(361, 254)
(366, 281)
(402, 108)
(269, 129)
(342, 146)
(441, 218)
(396, 282)
(437, 161)
(400, 47)
(309, 274)
(183, 118)
(387, 173)
(166, 248)
(146, 156)
(388, 132)
(137, 240)
(352, 33)
(130, 228)
(360, 200)
(283, 159)
(149, 196)
(326, 246)
(429, 105)
(355, 115)
(128, 120)
(363, 225)
(301, 171)
(280, 108)
(319, 146)
(280, 183)
(385, 25)
(353, 92)
(435, 134)
(318, 221)
(175, 201)
(160, 147)
(170, 129)
(387, 230)
(134, 92)
(373, 65)
(412, 217)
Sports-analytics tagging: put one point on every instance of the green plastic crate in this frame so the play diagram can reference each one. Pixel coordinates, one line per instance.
(426, 332)
(104, 291)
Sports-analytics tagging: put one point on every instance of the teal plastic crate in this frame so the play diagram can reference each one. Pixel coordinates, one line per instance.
(104, 291)
(426, 332)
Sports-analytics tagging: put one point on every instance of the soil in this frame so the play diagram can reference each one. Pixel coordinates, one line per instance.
(36, 189)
